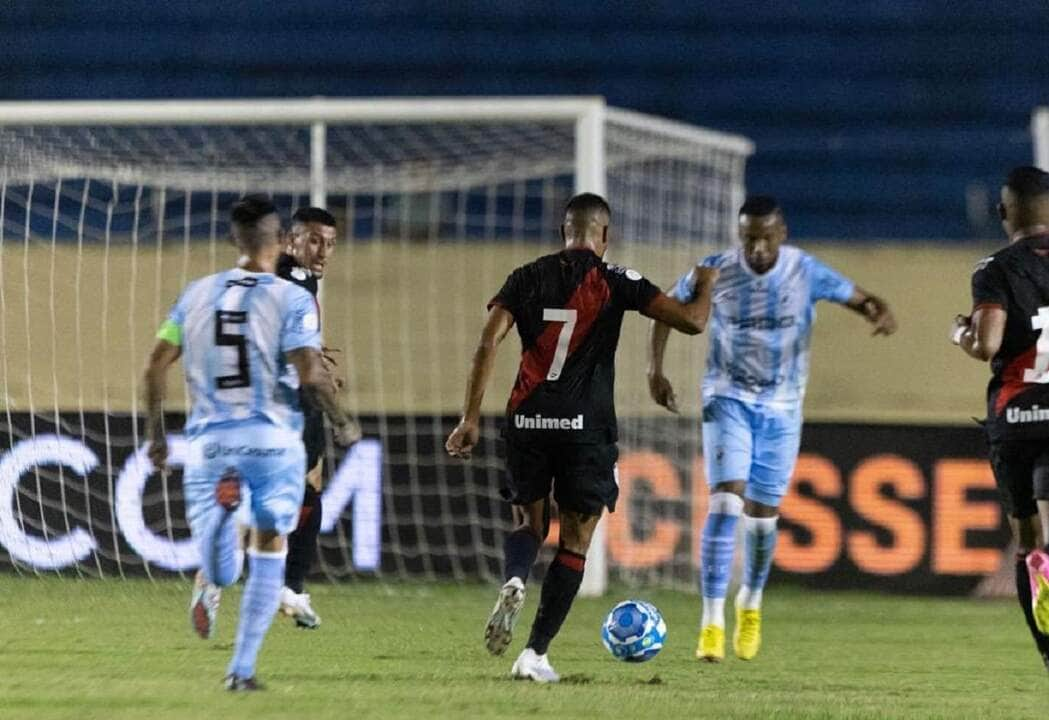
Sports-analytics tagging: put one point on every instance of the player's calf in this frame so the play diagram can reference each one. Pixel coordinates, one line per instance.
(560, 587)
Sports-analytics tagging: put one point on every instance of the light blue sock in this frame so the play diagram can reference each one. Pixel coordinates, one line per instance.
(257, 608)
(719, 543)
(759, 546)
(221, 557)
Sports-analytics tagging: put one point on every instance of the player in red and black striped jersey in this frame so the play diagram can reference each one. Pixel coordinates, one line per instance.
(1009, 326)
(561, 422)
(310, 245)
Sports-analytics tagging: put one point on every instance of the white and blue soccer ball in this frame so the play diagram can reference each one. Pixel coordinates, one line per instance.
(634, 631)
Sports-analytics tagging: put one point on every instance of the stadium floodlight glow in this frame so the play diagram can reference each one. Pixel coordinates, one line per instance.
(116, 205)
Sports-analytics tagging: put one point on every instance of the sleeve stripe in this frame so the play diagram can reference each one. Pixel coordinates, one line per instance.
(988, 306)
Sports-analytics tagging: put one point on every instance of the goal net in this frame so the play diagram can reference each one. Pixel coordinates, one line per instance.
(108, 209)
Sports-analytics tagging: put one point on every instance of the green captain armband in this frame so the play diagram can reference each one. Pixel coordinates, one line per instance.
(171, 332)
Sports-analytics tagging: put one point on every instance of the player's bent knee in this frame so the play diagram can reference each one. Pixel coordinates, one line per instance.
(534, 517)
(725, 503)
(736, 487)
(1041, 484)
(576, 531)
(226, 576)
(269, 541)
(756, 509)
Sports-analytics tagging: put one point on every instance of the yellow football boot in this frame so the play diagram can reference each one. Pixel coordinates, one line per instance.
(711, 645)
(746, 637)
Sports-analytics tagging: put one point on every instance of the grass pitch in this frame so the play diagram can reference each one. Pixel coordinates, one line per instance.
(116, 649)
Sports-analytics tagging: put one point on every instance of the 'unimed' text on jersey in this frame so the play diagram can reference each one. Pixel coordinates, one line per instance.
(568, 308)
(760, 325)
(1016, 279)
(235, 328)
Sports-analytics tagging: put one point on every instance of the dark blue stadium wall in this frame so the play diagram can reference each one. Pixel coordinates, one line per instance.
(871, 119)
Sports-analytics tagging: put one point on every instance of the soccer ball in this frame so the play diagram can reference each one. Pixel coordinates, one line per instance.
(634, 631)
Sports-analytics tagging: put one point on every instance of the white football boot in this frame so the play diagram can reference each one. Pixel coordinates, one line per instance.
(500, 628)
(204, 606)
(530, 666)
(297, 605)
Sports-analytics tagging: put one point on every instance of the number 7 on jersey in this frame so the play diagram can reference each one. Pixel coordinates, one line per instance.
(568, 317)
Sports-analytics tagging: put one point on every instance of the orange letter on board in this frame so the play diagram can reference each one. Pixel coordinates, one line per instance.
(820, 521)
(953, 515)
(659, 547)
(904, 524)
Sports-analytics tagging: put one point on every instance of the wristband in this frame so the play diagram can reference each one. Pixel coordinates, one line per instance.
(956, 336)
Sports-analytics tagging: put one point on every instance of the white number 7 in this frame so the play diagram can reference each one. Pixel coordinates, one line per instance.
(561, 353)
(1040, 372)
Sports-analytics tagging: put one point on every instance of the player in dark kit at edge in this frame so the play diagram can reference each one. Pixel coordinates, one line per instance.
(310, 245)
(1009, 326)
(561, 423)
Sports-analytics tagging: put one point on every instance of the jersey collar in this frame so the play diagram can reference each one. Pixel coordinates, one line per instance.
(772, 271)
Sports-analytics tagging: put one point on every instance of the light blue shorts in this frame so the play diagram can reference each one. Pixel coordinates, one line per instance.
(754, 443)
(271, 462)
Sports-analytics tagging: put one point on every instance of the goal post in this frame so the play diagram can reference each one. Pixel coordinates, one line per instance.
(1040, 136)
(107, 209)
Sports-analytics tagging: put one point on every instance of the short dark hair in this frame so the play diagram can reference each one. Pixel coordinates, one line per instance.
(247, 211)
(1028, 182)
(586, 204)
(759, 205)
(313, 215)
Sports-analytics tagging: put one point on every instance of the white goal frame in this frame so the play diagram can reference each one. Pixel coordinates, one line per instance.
(589, 114)
(1040, 136)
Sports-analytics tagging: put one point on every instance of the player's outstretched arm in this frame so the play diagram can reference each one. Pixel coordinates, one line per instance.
(875, 310)
(163, 357)
(659, 386)
(466, 434)
(690, 317)
(980, 336)
(319, 385)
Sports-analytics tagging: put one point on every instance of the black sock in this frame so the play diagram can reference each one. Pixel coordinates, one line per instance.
(302, 542)
(559, 590)
(1023, 594)
(519, 551)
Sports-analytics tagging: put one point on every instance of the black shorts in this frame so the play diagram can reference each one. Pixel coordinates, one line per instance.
(1016, 464)
(582, 476)
(313, 436)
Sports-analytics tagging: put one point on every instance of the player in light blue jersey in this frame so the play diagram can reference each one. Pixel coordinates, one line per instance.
(248, 340)
(757, 367)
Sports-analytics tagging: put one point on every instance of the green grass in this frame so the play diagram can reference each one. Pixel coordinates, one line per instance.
(112, 649)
